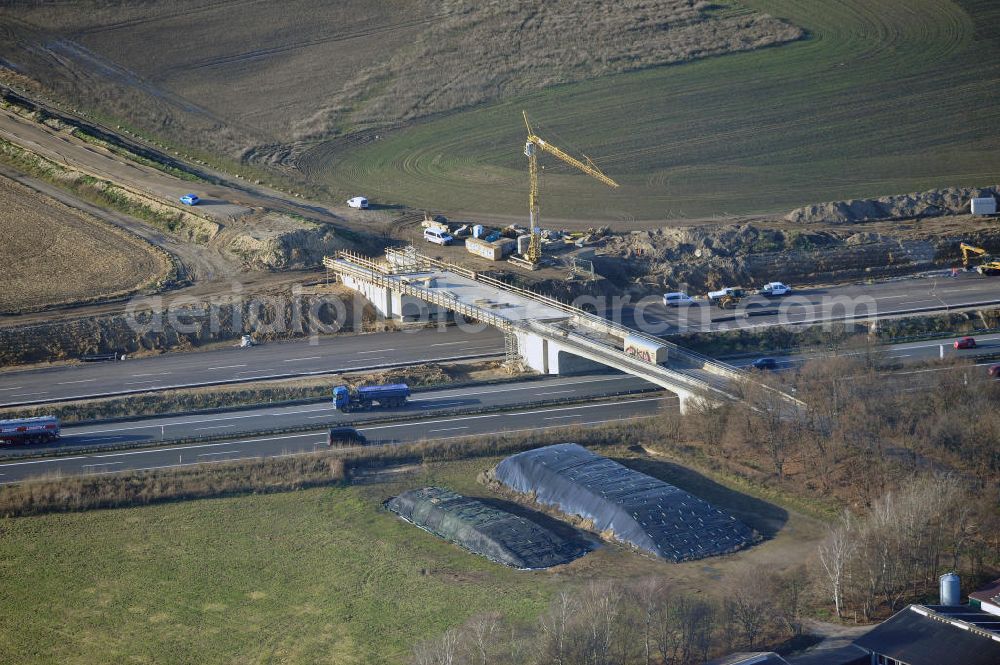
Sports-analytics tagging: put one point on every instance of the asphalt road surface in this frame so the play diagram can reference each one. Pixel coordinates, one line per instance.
(294, 358)
(287, 444)
(933, 291)
(421, 405)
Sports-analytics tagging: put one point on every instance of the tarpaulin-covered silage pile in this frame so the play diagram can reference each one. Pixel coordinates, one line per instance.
(496, 534)
(637, 509)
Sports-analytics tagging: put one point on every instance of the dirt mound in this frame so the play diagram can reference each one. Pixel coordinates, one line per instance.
(701, 258)
(933, 203)
(272, 241)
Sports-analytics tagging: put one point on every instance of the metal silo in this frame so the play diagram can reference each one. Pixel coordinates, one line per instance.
(951, 589)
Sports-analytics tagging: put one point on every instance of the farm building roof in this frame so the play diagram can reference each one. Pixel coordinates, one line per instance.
(932, 635)
(637, 509)
(989, 594)
(483, 529)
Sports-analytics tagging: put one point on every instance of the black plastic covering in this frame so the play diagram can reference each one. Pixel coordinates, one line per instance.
(482, 529)
(637, 509)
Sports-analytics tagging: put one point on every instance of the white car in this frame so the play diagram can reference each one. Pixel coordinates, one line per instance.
(775, 289)
(357, 202)
(438, 237)
(677, 299)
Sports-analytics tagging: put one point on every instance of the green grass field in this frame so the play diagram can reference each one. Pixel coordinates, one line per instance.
(317, 576)
(884, 96)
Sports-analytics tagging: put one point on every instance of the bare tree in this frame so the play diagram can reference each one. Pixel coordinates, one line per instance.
(482, 631)
(751, 604)
(555, 626)
(835, 555)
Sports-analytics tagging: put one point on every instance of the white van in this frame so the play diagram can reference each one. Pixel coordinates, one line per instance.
(437, 236)
(676, 299)
(357, 202)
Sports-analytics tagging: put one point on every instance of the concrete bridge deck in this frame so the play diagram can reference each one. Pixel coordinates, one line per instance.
(549, 336)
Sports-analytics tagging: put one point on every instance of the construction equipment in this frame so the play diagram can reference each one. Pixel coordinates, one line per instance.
(986, 267)
(727, 298)
(531, 147)
(971, 250)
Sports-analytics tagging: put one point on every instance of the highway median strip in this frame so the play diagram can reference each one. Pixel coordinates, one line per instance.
(396, 421)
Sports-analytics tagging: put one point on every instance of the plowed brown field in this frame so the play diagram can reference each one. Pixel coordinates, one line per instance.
(51, 254)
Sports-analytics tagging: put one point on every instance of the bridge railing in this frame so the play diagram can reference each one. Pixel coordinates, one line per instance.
(374, 273)
(586, 318)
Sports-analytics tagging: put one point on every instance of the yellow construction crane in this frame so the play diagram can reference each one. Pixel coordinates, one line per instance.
(531, 148)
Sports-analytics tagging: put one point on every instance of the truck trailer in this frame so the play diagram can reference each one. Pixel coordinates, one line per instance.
(388, 396)
(41, 429)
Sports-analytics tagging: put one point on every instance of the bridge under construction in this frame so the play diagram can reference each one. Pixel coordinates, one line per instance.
(545, 334)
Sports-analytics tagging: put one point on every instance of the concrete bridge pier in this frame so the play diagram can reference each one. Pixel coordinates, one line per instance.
(548, 356)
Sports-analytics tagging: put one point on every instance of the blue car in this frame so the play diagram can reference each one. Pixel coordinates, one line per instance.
(190, 199)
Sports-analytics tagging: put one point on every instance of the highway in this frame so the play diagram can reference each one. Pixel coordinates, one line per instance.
(445, 427)
(342, 353)
(422, 404)
(274, 360)
(930, 292)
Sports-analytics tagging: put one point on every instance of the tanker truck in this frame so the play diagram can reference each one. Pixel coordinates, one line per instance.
(389, 396)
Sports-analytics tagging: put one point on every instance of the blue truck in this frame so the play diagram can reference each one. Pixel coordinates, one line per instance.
(393, 395)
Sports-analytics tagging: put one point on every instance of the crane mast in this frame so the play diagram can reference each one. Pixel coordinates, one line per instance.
(532, 145)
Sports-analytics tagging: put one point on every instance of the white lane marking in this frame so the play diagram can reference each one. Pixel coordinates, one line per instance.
(361, 353)
(556, 392)
(85, 466)
(66, 383)
(14, 388)
(575, 415)
(322, 415)
(153, 374)
(524, 386)
(226, 366)
(26, 394)
(198, 429)
(313, 434)
(448, 343)
(293, 360)
(508, 414)
(45, 461)
(133, 383)
(447, 429)
(227, 452)
(172, 423)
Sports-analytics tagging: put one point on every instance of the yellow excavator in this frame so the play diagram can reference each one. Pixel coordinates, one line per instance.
(987, 267)
(531, 147)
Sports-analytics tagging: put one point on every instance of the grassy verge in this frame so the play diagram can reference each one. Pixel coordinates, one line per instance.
(135, 157)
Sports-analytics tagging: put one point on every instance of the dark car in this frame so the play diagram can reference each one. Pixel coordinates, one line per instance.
(345, 436)
(765, 364)
(994, 371)
(965, 343)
